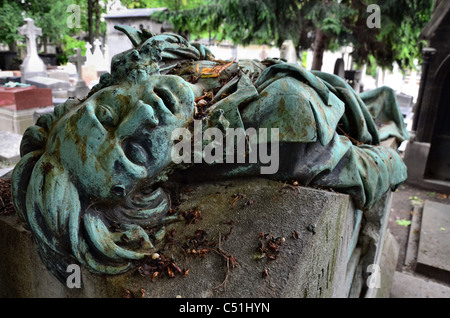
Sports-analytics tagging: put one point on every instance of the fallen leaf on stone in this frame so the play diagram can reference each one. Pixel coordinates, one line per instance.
(403, 222)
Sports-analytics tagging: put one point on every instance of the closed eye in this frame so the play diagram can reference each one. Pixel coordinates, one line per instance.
(106, 116)
(169, 99)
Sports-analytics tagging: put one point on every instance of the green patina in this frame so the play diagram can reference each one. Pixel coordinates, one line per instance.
(110, 153)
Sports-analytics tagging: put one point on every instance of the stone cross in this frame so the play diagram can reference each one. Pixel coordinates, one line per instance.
(98, 58)
(32, 65)
(31, 32)
(89, 60)
(78, 60)
(98, 55)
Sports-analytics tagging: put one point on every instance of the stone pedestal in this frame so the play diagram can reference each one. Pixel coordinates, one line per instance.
(19, 98)
(18, 104)
(222, 250)
(16, 121)
(80, 90)
(58, 87)
(9, 147)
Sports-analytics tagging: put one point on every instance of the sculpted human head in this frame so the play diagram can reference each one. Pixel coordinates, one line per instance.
(118, 139)
(96, 163)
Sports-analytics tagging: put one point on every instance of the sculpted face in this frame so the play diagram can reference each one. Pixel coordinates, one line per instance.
(119, 139)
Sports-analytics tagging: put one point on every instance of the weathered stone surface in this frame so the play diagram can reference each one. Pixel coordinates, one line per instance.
(312, 265)
(9, 147)
(406, 285)
(434, 244)
(48, 82)
(388, 264)
(19, 98)
(16, 121)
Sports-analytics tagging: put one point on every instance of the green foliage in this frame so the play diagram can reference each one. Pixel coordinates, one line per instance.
(403, 222)
(10, 20)
(343, 22)
(415, 200)
(69, 44)
(398, 38)
(170, 4)
(51, 16)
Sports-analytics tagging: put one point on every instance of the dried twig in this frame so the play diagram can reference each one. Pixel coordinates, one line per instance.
(229, 259)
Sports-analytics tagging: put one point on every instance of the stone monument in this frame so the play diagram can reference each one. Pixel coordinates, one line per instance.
(100, 180)
(98, 59)
(89, 69)
(17, 105)
(80, 89)
(32, 65)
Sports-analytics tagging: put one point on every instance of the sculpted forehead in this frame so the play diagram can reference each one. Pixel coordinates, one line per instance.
(171, 98)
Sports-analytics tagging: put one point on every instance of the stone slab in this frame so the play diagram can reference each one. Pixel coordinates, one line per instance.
(9, 147)
(19, 98)
(388, 264)
(434, 246)
(48, 82)
(60, 75)
(42, 111)
(4, 171)
(16, 121)
(312, 263)
(353, 274)
(413, 236)
(415, 158)
(406, 285)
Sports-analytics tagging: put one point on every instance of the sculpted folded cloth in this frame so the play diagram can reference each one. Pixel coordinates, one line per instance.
(90, 183)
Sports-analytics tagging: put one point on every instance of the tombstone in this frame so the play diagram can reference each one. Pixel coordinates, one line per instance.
(89, 69)
(405, 102)
(17, 105)
(106, 58)
(89, 60)
(59, 88)
(98, 59)
(32, 65)
(59, 75)
(80, 88)
(433, 256)
(9, 147)
(353, 78)
(339, 68)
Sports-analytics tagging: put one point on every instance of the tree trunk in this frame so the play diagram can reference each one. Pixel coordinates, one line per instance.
(97, 19)
(90, 21)
(12, 46)
(320, 45)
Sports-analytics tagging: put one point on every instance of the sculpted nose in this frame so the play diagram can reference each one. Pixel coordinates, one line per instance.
(142, 116)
